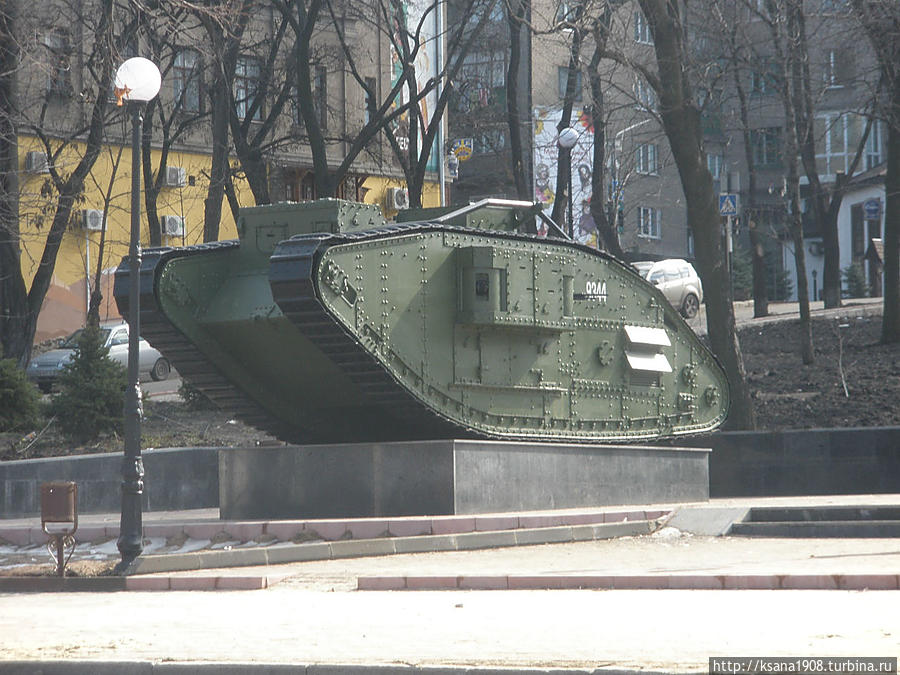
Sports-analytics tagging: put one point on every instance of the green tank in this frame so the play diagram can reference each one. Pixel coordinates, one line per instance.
(323, 323)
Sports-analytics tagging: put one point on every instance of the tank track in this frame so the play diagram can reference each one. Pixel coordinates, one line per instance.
(189, 361)
(292, 279)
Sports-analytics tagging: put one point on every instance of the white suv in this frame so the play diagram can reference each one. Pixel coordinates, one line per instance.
(678, 281)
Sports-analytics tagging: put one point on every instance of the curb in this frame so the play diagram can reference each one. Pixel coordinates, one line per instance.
(148, 574)
(768, 582)
(290, 553)
(338, 529)
(167, 668)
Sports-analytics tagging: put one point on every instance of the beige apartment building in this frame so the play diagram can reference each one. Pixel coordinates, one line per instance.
(642, 186)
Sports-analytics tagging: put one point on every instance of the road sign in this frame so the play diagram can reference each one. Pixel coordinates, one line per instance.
(872, 209)
(463, 148)
(728, 204)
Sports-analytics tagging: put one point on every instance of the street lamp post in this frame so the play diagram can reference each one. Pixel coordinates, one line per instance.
(567, 139)
(137, 81)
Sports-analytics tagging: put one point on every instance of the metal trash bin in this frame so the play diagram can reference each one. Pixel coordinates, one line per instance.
(59, 509)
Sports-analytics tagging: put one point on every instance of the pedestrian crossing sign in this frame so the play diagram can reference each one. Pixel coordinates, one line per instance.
(728, 204)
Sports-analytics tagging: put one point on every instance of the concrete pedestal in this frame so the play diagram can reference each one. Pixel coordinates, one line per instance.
(452, 477)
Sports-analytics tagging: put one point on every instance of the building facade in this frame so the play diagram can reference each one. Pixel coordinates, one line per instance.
(736, 79)
(59, 82)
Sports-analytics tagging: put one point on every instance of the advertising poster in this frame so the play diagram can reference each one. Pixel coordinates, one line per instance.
(418, 12)
(546, 161)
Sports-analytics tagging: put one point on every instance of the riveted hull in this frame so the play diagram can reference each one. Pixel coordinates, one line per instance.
(429, 331)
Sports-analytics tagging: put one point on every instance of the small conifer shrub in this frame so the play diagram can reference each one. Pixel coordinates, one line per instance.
(91, 394)
(19, 399)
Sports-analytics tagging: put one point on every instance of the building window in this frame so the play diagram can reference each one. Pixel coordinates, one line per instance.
(645, 159)
(873, 146)
(296, 115)
(371, 104)
(186, 80)
(321, 96)
(837, 135)
(567, 11)
(481, 82)
(642, 33)
(837, 69)
(836, 6)
(246, 84)
(490, 141)
(714, 164)
(562, 73)
(763, 79)
(766, 146)
(648, 222)
(59, 68)
(644, 95)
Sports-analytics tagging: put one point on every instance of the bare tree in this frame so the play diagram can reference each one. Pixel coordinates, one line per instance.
(572, 23)
(605, 219)
(334, 152)
(170, 36)
(518, 12)
(13, 296)
(880, 20)
(412, 142)
(680, 116)
(223, 52)
(65, 183)
(96, 285)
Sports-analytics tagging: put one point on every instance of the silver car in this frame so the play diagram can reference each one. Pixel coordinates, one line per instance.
(45, 368)
(678, 281)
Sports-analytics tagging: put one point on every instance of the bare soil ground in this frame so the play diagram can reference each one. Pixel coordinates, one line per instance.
(853, 382)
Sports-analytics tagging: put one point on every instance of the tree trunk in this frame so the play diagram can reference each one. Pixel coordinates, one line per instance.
(881, 21)
(681, 122)
(518, 14)
(12, 287)
(218, 170)
(607, 234)
(151, 185)
(564, 164)
(757, 250)
(256, 172)
(890, 322)
(792, 98)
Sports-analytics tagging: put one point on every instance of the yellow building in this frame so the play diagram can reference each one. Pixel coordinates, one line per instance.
(99, 231)
(59, 83)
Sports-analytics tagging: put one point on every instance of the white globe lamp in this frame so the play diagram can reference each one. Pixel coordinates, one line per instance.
(137, 79)
(567, 139)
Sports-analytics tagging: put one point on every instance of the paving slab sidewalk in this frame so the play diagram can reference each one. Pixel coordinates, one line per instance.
(315, 621)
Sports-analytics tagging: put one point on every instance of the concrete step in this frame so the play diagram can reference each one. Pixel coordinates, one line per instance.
(823, 513)
(819, 529)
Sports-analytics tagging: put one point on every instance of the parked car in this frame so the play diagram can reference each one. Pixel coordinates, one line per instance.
(678, 281)
(45, 368)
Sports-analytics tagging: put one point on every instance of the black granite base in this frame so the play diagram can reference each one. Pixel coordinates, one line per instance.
(451, 477)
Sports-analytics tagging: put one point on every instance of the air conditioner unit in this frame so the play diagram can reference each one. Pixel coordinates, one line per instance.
(398, 198)
(172, 226)
(36, 162)
(175, 176)
(92, 219)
